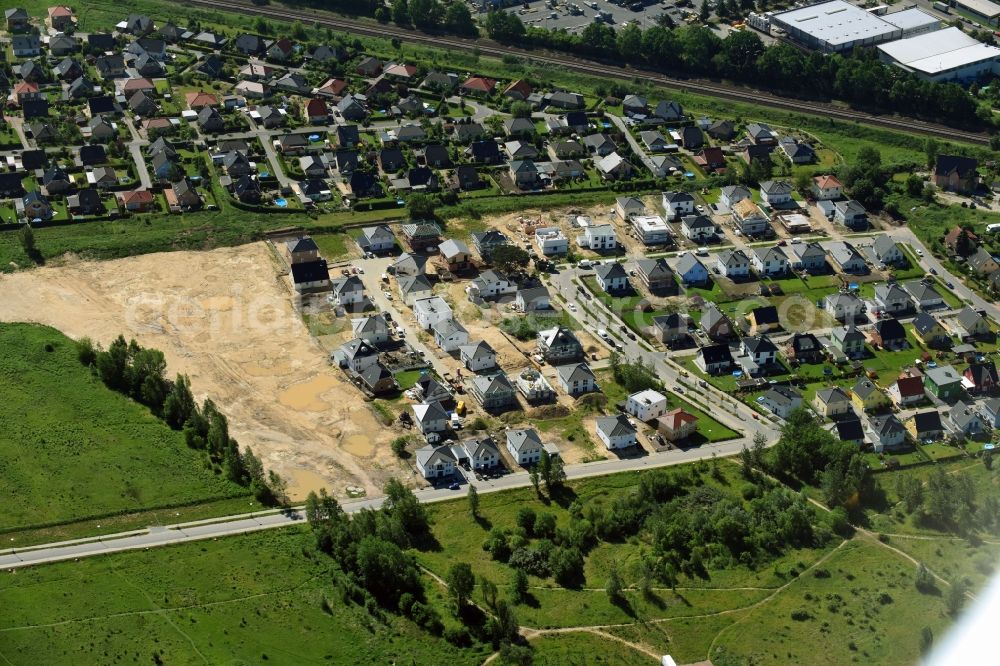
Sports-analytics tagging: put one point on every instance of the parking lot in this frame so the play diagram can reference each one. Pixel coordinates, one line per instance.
(575, 16)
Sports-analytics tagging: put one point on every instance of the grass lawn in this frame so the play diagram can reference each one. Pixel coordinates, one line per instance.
(867, 606)
(407, 379)
(74, 449)
(333, 247)
(584, 647)
(247, 599)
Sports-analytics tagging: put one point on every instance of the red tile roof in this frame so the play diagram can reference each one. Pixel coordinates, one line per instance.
(480, 84)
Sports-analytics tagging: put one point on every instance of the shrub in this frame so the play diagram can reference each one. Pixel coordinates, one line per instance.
(801, 615)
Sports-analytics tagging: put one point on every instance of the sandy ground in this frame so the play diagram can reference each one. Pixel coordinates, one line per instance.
(226, 319)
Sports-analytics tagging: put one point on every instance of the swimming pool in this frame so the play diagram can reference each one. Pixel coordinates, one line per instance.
(281, 203)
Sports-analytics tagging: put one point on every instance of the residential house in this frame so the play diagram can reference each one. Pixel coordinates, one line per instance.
(356, 355)
(413, 288)
(827, 188)
(427, 390)
(924, 294)
(551, 241)
(482, 452)
(524, 445)
(626, 207)
(455, 254)
(908, 389)
(809, 257)
(25, 46)
(982, 262)
(210, 121)
(851, 214)
(781, 400)
(185, 196)
(711, 159)
(651, 229)
(518, 90)
(850, 431)
(721, 130)
(760, 350)
(378, 380)
(761, 134)
(698, 229)
(654, 141)
(670, 328)
(101, 130)
(467, 132)
(847, 259)
(480, 86)
(867, 397)
(669, 111)
(559, 345)
(733, 264)
(576, 379)
(714, 359)
(769, 261)
(887, 251)
(490, 285)
(435, 462)
(533, 299)
(832, 402)
(848, 340)
(677, 425)
(247, 189)
(62, 44)
(494, 392)
(599, 144)
(763, 319)
(691, 271)
(85, 202)
(886, 432)
(961, 241)
(347, 291)
(372, 329)
(450, 335)
(524, 173)
(646, 405)
(486, 242)
(971, 325)
(616, 432)
(33, 206)
(55, 180)
(11, 185)
(956, 173)
(599, 238)
(943, 382)
(892, 299)
(103, 177)
(430, 418)
(17, 19)
(308, 276)
(776, 192)
(888, 333)
(990, 412)
(925, 426)
(478, 356)
(26, 91)
(733, 194)
(407, 264)
(351, 108)
(930, 332)
(797, 153)
(749, 219)
(805, 348)
(612, 277)
(658, 277)
(135, 201)
(614, 167)
(692, 137)
(964, 422)
(982, 376)
(844, 306)
(421, 235)
(715, 323)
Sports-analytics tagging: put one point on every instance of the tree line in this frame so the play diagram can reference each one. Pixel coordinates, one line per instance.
(140, 373)
(694, 50)
(377, 572)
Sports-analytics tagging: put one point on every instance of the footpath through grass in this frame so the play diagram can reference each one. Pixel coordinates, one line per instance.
(70, 448)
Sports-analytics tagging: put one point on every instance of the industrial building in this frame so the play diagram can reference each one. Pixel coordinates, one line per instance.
(984, 10)
(945, 55)
(840, 26)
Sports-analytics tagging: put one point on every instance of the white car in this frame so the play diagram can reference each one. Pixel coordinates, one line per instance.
(920, 252)
(603, 334)
(571, 306)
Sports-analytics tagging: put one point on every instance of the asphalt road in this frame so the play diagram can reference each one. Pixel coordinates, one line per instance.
(242, 524)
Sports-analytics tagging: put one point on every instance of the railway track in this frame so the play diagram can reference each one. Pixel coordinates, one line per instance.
(595, 68)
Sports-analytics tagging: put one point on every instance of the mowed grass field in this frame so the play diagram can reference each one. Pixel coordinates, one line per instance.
(269, 597)
(70, 448)
(253, 599)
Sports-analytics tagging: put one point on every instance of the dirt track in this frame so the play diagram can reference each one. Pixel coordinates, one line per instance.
(226, 319)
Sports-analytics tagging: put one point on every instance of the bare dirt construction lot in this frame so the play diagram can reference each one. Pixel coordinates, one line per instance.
(226, 319)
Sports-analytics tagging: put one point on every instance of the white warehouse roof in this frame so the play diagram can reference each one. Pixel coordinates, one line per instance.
(911, 19)
(939, 51)
(981, 7)
(836, 22)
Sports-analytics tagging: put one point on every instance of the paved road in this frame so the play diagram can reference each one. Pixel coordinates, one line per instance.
(245, 523)
(135, 147)
(635, 145)
(723, 407)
